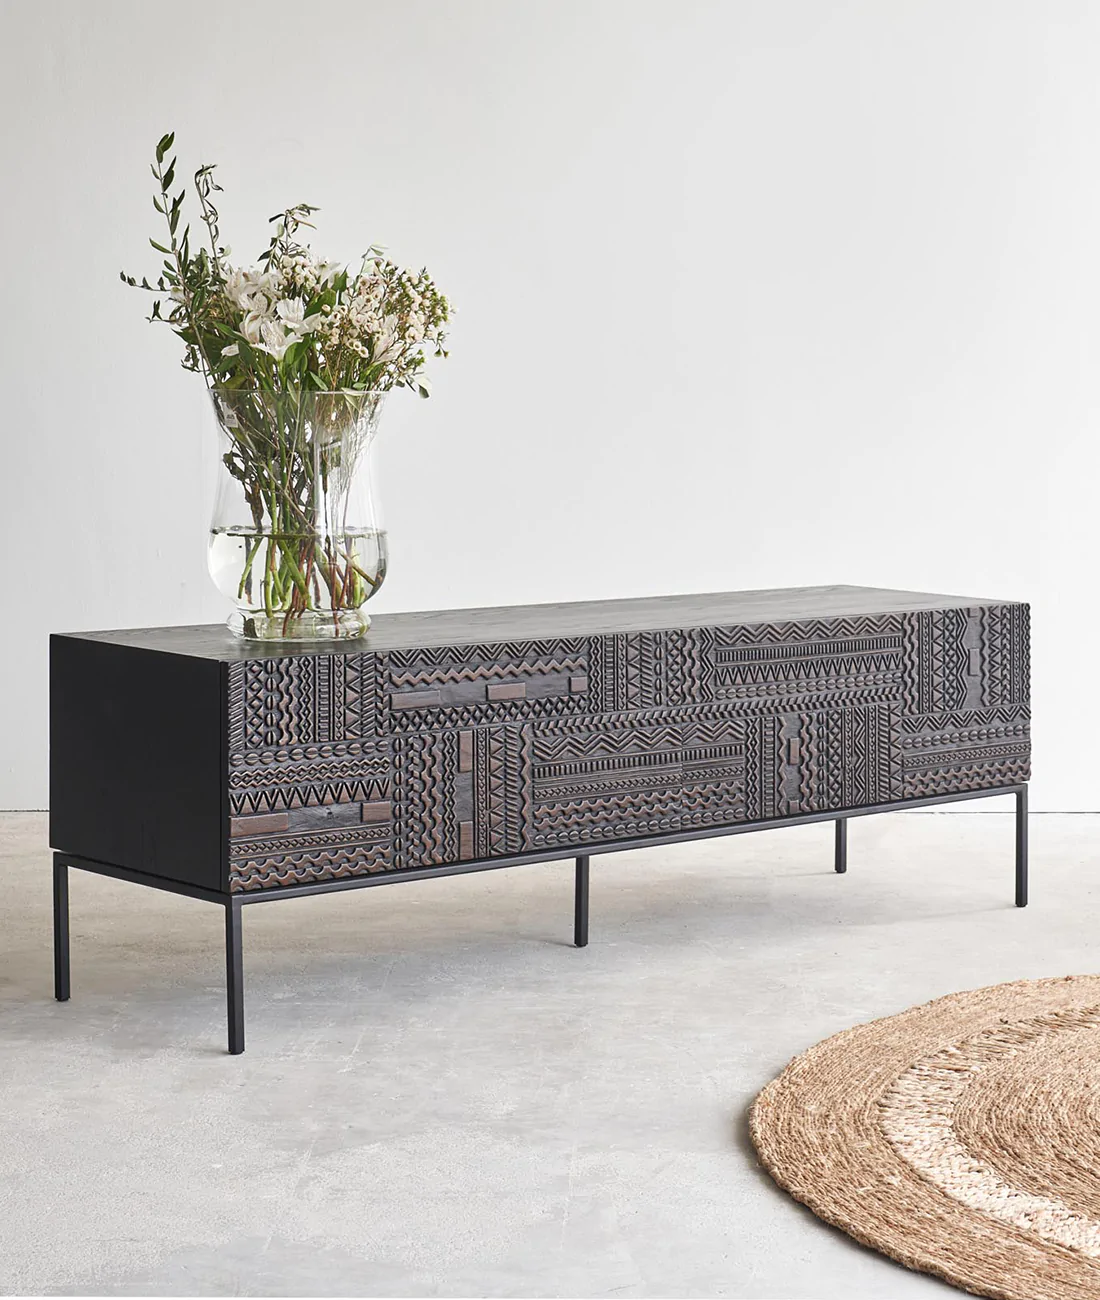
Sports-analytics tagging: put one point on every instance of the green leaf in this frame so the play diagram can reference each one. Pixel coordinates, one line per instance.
(169, 176)
(164, 144)
(160, 247)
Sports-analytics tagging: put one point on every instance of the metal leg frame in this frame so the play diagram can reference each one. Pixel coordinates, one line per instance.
(233, 904)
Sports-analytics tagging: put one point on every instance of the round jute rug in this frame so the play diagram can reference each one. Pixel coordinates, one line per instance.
(961, 1138)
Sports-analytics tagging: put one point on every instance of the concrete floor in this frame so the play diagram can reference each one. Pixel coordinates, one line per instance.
(441, 1097)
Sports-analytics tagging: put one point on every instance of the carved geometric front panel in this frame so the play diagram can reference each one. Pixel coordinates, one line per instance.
(347, 763)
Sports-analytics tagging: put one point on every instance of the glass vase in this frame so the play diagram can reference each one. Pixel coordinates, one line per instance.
(296, 541)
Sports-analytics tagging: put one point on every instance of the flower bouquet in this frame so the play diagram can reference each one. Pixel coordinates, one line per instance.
(298, 354)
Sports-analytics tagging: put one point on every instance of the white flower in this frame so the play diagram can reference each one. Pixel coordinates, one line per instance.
(232, 350)
(328, 271)
(292, 312)
(383, 347)
(237, 286)
(252, 326)
(276, 339)
(252, 290)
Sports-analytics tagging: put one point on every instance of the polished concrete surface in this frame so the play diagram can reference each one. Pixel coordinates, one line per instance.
(441, 1097)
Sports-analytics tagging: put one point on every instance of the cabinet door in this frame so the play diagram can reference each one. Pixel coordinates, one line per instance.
(820, 761)
(460, 796)
(309, 788)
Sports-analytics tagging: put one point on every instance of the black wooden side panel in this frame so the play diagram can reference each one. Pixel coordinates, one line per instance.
(137, 760)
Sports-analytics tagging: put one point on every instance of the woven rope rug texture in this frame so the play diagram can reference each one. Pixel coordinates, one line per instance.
(961, 1138)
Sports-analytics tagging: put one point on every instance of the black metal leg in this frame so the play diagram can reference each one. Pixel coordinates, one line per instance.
(1021, 846)
(580, 905)
(60, 931)
(234, 976)
(840, 861)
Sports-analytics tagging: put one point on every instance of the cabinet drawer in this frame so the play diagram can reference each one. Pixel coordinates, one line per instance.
(467, 685)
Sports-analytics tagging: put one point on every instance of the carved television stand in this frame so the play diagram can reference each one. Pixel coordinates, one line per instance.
(241, 772)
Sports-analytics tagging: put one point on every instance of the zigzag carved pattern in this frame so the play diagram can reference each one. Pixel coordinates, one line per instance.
(937, 659)
(795, 670)
(530, 667)
(889, 764)
(486, 652)
(280, 798)
(951, 657)
(727, 731)
(634, 657)
(595, 744)
(1005, 652)
(919, 722)
(509, 791)
(811, 629)
(363, 695)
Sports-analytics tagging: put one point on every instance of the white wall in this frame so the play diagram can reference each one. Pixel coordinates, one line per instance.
(752, 293)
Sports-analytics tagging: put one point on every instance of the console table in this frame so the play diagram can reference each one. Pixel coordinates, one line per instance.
(240, 772)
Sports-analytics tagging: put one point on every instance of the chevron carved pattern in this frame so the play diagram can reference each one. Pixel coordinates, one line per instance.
(343, 764)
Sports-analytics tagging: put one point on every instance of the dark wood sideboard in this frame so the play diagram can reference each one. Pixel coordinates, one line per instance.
(241, 772)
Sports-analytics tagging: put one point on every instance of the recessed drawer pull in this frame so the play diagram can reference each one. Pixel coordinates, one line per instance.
(414, 699)
(506, 691)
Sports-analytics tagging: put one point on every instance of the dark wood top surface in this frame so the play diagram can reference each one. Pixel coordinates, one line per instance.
(527, 622)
